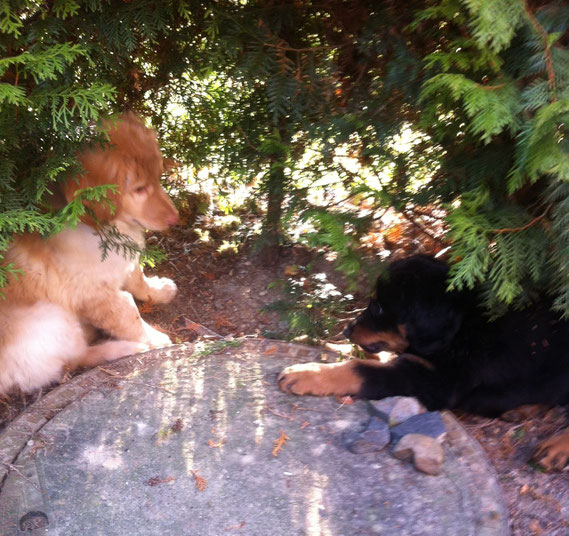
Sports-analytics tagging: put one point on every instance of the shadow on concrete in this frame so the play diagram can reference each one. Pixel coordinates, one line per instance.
(184, 441)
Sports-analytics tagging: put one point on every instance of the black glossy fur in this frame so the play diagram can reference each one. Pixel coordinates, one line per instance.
(466, 361)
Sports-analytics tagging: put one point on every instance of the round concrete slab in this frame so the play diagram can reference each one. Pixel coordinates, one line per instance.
(190, 441)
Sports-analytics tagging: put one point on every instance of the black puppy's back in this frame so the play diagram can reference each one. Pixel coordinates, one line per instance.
(482, 366)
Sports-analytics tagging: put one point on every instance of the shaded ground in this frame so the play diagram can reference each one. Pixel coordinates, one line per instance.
(226, 293)
(538, 502)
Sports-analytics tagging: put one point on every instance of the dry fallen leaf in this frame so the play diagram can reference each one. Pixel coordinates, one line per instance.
(271, 350)
(146, 308)
(279, 443)
(216, 444)
(292, 270)
(155, 480)
(178, 425)
(221, 322)
(201, 482)
(234, 527)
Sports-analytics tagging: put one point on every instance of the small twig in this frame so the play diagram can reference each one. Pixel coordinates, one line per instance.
(288, 417)
(304, 49)
(547, 49)
(199, 329)
(15, 468)
(247, 139)
(527, 225)
(490, 88)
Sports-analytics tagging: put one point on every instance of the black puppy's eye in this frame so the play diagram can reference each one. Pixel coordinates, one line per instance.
(374, 308)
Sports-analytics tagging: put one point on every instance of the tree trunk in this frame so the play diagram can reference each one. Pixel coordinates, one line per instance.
(276, 186)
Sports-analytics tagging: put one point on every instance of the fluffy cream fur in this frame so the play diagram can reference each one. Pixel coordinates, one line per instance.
(67, 290)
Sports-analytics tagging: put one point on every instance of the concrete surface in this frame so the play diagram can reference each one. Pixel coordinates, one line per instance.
(184, 441)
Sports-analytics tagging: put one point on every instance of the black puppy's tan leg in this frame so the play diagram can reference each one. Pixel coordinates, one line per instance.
(323, 379)
(553, 453)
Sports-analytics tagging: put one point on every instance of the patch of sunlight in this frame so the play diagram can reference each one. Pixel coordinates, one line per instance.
(226, 220)
(102, 456)
(404, 142)
(203, 234)
(197, 381)
(168, 399)
(326, 289)
(315, 522)
(228, 245)
(203, 174)
(257, 388)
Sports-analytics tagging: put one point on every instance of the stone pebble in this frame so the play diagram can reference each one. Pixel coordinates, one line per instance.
(425, 452)
(430, 424)
(373, 438)
(397, 409)
(414, 433)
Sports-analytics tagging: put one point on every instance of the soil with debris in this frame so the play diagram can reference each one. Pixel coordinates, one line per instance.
(227, 293)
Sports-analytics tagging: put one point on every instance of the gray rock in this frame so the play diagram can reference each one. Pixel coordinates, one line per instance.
(384, 406)
(430, 424)
(405, 407)
(426, 452)
(373, 438)
(396, 409)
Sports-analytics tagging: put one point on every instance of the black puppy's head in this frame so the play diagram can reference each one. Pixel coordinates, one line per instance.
(411, 310)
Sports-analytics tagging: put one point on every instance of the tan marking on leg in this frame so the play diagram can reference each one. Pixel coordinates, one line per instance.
(419, 360)
(553, 453)
(323, 379)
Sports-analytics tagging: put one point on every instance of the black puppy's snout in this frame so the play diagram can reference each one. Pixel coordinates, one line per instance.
(348, 330)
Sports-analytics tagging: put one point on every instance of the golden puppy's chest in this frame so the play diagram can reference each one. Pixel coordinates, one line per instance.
(66, 268)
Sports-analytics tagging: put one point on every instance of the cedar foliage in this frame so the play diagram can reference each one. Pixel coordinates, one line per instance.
(480, 87)
(64, 63)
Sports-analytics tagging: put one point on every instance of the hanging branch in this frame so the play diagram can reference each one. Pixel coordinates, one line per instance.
(547, 49)
(527, 225)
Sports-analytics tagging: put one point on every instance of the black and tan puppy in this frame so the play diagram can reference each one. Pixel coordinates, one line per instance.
(448, 354)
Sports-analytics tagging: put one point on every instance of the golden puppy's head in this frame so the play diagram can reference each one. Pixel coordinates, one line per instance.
(133, 162)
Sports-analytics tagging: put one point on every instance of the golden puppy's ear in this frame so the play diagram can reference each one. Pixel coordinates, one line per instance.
(135, 142)
(101, 167)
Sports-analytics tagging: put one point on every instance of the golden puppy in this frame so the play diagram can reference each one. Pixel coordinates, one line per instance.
(67, 289)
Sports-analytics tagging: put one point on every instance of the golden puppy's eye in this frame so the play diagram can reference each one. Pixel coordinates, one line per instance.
(141, 189)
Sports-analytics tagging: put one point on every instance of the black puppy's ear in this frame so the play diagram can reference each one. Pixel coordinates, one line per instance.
(431, 327)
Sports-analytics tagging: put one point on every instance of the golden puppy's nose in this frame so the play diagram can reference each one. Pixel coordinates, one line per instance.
(173, 218)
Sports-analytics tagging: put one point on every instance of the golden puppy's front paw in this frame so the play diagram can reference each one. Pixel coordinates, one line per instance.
(553, 453)
(155, 338)
(161, 289)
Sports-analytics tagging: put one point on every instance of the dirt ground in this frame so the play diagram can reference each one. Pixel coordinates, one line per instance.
(225, 294)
